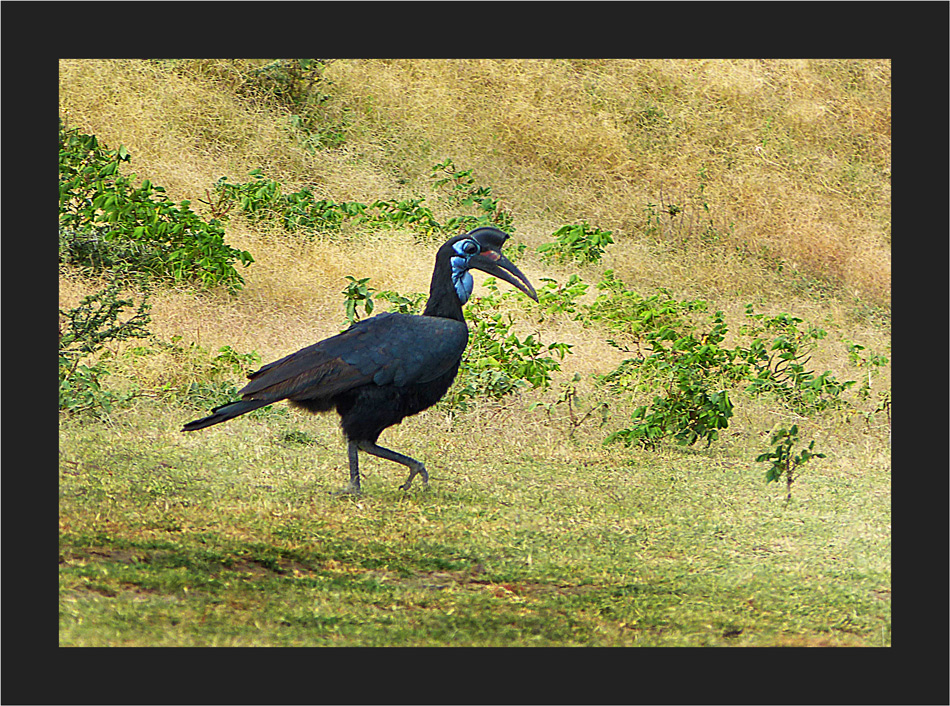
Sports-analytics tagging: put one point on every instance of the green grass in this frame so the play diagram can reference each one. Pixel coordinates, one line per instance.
(231, 537)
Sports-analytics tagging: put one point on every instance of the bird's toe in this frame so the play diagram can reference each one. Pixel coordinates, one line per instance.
(420, 470)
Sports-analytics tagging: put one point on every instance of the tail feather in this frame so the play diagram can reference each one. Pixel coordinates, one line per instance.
(224, 413)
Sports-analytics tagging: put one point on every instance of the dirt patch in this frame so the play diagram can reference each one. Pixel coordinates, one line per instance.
(471, 578)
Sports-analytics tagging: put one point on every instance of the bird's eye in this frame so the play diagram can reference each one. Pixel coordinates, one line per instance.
(467, 248)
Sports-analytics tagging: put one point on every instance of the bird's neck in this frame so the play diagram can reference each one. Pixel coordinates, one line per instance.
(444, 298)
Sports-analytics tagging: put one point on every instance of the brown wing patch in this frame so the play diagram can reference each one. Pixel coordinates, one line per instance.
(297, 379)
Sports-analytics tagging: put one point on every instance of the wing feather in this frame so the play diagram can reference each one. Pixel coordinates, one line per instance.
(396, 349)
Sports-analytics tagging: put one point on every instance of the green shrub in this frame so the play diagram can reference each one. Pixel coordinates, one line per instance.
(579, 242)
(463, 191)
(554, 298)
(681, 355)
(781, 367)
(784, 462)
(294, 82)
(357, 293)
(84, 331)
(636, 317)
(412, 303)
(407, 213)
(870, 362)
(261, 199)
(497, 362)
(692, 372)
(108, 223)
(300, 86)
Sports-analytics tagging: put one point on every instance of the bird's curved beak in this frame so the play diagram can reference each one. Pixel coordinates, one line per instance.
(492, 262)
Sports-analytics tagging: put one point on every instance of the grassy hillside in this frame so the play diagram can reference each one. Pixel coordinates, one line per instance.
(735, 182)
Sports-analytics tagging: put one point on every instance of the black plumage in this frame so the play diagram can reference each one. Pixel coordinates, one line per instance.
(388, 367)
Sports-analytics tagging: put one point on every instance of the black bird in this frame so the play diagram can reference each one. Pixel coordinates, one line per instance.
(387, 367)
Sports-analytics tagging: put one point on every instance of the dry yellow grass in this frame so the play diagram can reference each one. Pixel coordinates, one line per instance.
(794, 155)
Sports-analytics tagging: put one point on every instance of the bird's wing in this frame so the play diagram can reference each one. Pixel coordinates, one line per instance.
(398, 349)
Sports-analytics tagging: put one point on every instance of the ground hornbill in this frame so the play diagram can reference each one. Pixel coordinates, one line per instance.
(389, 366)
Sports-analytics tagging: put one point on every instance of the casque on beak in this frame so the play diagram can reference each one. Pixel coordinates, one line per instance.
(492, 262)
(497, 265)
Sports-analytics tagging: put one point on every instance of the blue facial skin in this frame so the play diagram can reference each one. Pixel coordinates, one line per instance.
(461, 277)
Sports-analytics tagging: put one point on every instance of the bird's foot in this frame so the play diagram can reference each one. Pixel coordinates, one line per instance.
(421, 470)
(350, 489)
(405, 486)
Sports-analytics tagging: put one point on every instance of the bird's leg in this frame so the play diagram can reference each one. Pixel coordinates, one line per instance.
(415, 467)
(353, 487)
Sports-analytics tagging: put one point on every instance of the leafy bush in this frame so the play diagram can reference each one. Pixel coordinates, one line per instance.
(412, 303)
(299, 85)
(107, 223)
(636, 317)
(497, 362)
(355, 294)
(579, 242)
(680, 357)
(554, 298)
(683, 356)
(784, 462)
(689, 370)
(871, 362)
(408, 213)
(261, 199)
(85, 330)
(780, 368)
(463, 191)
(295, 82)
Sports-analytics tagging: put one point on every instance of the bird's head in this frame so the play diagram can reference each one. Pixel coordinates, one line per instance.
(480, 249)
